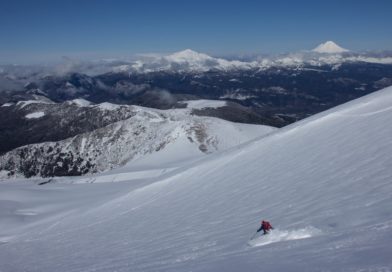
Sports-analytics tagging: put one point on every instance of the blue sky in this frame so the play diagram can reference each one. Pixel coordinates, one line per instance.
(46, 30)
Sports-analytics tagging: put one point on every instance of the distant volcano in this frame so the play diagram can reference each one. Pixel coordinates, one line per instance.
(329, 47)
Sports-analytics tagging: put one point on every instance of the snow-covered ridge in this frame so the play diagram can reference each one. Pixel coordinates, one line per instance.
(23, 104)
(175, 135)
(77, 102)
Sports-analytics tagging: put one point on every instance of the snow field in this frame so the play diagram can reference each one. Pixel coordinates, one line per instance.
(324, 183)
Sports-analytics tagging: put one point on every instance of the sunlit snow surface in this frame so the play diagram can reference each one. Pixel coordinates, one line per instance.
(282, 235)
(324, 183)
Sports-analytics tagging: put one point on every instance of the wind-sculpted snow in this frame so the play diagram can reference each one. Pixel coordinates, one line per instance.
(326, 180)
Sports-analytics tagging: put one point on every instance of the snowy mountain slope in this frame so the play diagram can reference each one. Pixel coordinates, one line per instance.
(143, 131)
(324, 183)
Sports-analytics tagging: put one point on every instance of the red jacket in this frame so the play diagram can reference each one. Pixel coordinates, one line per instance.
(266, 225)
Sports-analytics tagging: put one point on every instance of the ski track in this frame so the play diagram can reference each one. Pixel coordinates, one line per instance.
(283, 235)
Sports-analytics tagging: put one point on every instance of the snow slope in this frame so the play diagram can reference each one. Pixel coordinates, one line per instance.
(324, 183)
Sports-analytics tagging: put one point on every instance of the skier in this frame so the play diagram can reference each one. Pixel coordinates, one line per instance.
(265, 227)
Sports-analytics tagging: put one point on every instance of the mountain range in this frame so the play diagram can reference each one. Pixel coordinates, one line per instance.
(328, 53)
(49, 115)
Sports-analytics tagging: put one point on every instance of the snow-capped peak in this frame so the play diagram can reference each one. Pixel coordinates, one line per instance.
(188, 55)
(328, 53)
(189, 60)
(329, 47)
